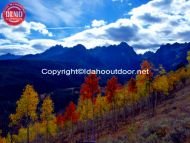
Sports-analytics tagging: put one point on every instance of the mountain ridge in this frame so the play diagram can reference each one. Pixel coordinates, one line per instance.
(114, 56)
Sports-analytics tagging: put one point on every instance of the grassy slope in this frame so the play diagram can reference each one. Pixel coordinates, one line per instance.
(171, 124)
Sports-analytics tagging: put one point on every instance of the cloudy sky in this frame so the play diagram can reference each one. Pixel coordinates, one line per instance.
(143, 24)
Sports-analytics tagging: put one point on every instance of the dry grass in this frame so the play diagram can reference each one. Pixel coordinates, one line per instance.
(170, 124)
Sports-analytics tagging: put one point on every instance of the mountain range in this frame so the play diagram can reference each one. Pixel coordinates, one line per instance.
(114, 56)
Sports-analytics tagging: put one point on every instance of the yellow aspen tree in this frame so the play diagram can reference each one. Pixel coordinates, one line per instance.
(100, 109)
(173, 79)
(160, 86)
(188, 57)
(85, 109)
(101, 106)
(47, 117)
(182, 74)
(141, 86)
(26, 109)
(21, 135)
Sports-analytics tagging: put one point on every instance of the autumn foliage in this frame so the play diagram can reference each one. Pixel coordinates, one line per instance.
(60, 120)
(71, 114)
(111, 88)
(90, 87)
(96, 106)
(147, 66)
(132, 87)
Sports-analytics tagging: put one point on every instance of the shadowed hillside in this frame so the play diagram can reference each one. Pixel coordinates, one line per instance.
(170, 125)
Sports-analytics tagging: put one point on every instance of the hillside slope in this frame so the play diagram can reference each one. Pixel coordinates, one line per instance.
(170, 125)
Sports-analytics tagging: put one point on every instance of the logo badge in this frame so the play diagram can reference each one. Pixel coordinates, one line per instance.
(14, 14)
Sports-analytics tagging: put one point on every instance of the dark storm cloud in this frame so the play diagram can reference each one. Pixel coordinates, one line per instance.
(39, 46)
(123, 33)
(161, 3)
(147, 17)
(185, 35)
